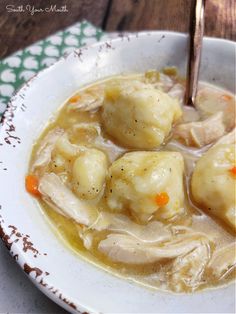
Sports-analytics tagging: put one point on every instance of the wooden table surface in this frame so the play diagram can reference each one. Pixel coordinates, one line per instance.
(19, 29)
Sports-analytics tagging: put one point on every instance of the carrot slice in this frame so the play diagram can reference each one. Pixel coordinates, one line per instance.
(233, 171)
(31, 185)
(74, 98)
(162, 199)
(226, 97)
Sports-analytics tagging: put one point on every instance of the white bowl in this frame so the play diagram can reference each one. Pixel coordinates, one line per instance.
(62, 275)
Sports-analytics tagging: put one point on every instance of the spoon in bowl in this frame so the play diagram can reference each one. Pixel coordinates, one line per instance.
(195, 47)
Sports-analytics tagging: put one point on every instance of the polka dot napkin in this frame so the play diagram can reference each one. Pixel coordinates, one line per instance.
(22, 65)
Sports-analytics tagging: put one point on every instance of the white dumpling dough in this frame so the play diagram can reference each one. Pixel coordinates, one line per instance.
(138, 115)
(89, 172)
(135, 180)
(213, 184)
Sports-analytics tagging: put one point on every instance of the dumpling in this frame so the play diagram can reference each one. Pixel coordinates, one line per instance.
(146, 183)
(213, 181)
(138, 115)
(89, 172)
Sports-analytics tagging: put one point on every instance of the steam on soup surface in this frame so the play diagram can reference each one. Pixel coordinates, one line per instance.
(140, 184)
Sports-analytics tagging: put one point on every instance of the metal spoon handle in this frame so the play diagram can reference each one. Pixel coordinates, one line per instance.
(195, 46)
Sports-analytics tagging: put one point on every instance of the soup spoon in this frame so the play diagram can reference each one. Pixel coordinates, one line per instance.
(194, 55)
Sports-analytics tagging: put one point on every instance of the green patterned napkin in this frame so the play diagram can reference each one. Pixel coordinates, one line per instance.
(22, 65)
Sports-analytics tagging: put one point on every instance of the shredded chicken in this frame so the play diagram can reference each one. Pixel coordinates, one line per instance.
(187, 270)
(66, 148)
(153, 232)
(190, 114)
(43, 155)
(223, 261)
(229, 138)
(64, 201)
(212, 100)
(201, 133)
(99, 142)
(88, 100)
(127, 249)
